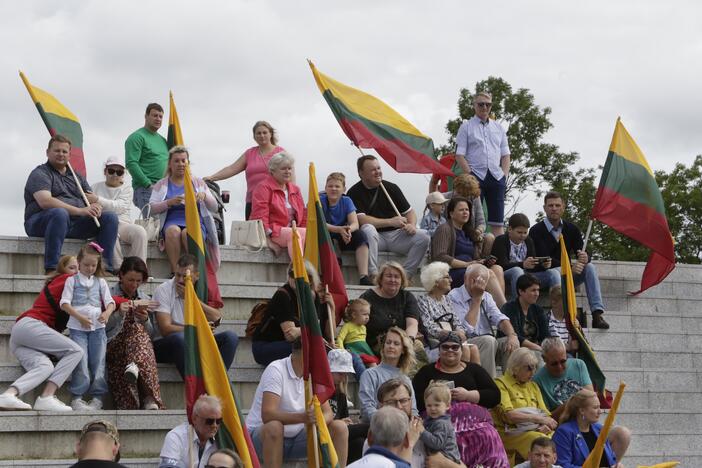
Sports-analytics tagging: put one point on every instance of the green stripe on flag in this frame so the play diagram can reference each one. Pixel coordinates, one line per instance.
(63, 126)
(200, 256)
(632, 181)
(192, 359)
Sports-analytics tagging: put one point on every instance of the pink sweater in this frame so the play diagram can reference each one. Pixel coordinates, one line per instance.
(257, 168)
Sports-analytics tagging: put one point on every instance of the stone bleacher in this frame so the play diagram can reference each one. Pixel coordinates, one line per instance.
(654, 345)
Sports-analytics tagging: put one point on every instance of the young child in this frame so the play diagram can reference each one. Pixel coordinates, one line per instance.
(556, 321)
(433, 217)
(84, 296)
(438, 434)
(352, 336)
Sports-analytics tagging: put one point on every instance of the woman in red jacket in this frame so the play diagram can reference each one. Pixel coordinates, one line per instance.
(277, 202)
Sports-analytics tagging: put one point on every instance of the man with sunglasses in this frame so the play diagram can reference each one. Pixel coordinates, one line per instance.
(197, 442)
(482, 150)
(116, 197)
(98, 446)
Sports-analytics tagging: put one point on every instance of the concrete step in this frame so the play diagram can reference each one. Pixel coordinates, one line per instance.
(646, 340)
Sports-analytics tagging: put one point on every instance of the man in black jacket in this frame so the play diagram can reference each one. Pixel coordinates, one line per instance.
(545, 235)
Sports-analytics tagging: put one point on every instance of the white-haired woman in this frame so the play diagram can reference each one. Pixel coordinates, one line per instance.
(522, 415)
(437, 315)
(277, 202)
(168, 201)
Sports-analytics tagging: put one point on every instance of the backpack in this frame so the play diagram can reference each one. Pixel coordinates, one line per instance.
(260, 319)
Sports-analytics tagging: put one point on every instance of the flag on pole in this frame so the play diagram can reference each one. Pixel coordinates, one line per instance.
(319, 250)
(629, 201)
(593, 460)
(370, 123)
(205, 373)
(585, 352)
(207, 287)
(670, 464)
(59, 121)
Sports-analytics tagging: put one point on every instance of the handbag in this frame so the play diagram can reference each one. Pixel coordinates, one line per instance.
(248, 234)
(149, 223)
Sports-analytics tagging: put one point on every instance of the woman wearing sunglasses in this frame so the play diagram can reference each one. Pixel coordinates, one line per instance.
(473, 393)
(116, 196)
(522, 415)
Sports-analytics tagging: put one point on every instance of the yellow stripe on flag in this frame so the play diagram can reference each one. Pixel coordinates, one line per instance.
(192, 217)
(570, 285)
(670, 464)
(593, 460)
(363, 104)
(625, 146)
(312, 234)
(49, 104)
(298, 261)
(174, 123)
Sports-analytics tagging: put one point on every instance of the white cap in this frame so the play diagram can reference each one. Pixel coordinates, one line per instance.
(435, 197)
(114, 161)
(340, 360)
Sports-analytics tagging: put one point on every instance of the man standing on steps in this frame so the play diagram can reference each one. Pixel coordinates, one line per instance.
(169, 341)
(146, 155)
(98, 446)
(386, 230)
(545, 235)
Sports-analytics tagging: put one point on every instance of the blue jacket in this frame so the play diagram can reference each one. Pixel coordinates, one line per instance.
(571, 447)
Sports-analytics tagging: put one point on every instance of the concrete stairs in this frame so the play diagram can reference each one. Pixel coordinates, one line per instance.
(654, 345)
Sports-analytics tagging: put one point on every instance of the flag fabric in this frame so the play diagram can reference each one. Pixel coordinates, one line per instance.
(319, 250)
(207, 287)
(205, 373)
(326, 451)
(670, 464)
(585, 352)
(593, 459)
(630, 202)
(370, 123)
(59, 121)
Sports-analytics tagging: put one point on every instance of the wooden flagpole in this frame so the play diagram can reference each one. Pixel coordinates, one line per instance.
(80, 188)
(587, 235)
(330, 318)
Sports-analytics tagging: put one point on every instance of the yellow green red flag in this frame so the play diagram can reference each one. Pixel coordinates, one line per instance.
(593, 460)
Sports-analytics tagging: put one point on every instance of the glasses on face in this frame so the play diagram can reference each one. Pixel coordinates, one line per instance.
(211, 421)
(560, 363)
(119, 172)
(484, 104)
(530, 367)
(397, 402)
(450, 347)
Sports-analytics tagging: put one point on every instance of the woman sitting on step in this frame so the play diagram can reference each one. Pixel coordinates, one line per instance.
(35, 336)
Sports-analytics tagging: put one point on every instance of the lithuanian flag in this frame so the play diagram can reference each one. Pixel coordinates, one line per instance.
(59, 121)
(630, 202)
(205, 373)
(585, 352)
(370, 123)
(319, 385)
(319, 250)
(593, 460)
(175, 134)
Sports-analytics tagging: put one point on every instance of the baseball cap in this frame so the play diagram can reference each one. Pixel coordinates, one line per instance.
(435, 197)
(114, 161)
(104, 426)
(340, 361)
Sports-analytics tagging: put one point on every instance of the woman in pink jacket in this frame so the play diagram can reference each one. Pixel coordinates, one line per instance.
(277, 202)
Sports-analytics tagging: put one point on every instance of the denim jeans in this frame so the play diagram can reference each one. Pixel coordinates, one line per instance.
(592, 287)
(493, 192)
(141, 197)
(171, 349)
(547, 279)
(55, 225)
(89, 375)
(265, 352)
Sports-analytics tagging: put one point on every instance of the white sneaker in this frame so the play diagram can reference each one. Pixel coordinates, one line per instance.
(349, 403)
(11, 402)
(95, 404)
(50, 403)
(79, 404)
(152, 406)
(131, 373)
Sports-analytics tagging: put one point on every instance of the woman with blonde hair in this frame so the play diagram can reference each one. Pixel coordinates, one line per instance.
(522, 416)
(397, 359)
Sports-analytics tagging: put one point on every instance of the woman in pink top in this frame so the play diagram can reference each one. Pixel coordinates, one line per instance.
(254, 161)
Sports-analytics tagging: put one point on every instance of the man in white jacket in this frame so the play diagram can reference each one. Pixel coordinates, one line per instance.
(116, 196)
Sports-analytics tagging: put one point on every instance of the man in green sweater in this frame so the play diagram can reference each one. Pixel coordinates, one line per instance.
(146, 155)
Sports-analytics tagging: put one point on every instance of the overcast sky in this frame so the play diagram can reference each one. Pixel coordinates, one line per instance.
(230, 63)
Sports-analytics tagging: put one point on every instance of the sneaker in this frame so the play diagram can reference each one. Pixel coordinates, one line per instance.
(11, 402)
(349, 403)
(79, 404)
(131, 373)
(598, 321)
(365, 281)
(151, 406)
(50, 403)
(95, 404)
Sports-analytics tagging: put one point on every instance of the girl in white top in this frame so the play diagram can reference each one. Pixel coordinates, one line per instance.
(84, 296)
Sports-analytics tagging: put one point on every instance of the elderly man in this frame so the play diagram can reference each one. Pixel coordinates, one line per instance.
(182, 446)
(562, 377)
(482, 150)
(55, 208)
(480, 314)
(146, 155)
(169, 340)
(98, 446)
(545, 235)
(278, 414)
(389, 222)
(116, 197)
(389, 439)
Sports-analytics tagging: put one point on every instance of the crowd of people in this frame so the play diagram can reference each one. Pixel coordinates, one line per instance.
(430, 391)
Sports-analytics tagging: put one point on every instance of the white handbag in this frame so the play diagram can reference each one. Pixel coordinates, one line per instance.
(150, 224)
(248, 234)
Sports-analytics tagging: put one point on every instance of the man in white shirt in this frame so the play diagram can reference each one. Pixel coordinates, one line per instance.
(481, 314)
(116, 196)
(186, 444)
(276, 420)
(169, 340)
(482, 150)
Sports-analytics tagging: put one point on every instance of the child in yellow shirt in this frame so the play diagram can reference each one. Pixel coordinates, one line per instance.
(352, 336)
